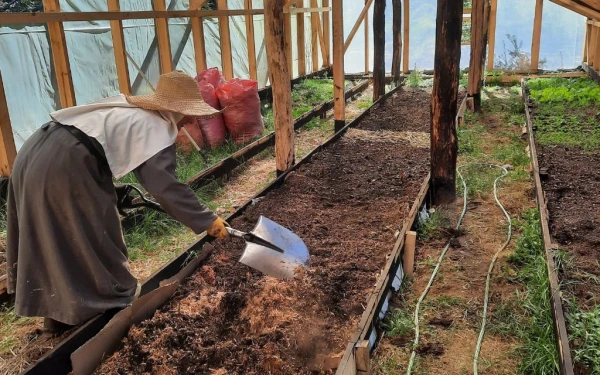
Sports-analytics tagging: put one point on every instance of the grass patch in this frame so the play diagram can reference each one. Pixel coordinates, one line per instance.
(585, 335)
(9, 322)
(431, 228)
(363, 104)
(400, 323)
(538, 352)
(443, 302)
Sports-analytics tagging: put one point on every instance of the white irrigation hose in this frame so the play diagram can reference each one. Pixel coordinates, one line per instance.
(435, 271)
(438, 265)
(492, 264)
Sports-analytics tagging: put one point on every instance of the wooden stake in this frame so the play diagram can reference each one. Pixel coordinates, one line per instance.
(492, 35)
(405, 52)
(300, 36)
(251, 43)
(225, 36)
(537, 33)
(8, 152)
(480, 11)
(327, 35)
(363, 357)
(116, 30)
(280, 84)
(339, 101)
(444, 102)
(162, 34)
(198, 36)
(379, 47)
(367, 42)
(408, 258)
(314, 36)
(60, 57)
(397, 40)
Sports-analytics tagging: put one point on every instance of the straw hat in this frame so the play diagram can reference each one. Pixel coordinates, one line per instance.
(175, 92)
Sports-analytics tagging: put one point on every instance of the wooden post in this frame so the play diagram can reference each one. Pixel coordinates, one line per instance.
(300, 36)
(397, 40)
(367, 44)
(225, 36)
(327, 35)
(363, 357)
(251, 43)
(339, 100)
(198, 36)
(479, 33)
(60, 57)
(537, 33)
(595, 46)
(162, 34)
(586, 40)
(405, 52)
(314, 36)
(592, 47)
(408, 257)
(492, 35)
(8, 152)
(444, 101)
(379, 49)
(116, 30)
(280, 84)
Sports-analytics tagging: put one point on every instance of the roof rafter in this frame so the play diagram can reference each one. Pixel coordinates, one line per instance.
(587, 8)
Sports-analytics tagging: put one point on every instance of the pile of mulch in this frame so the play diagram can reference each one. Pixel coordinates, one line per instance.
(346, 204)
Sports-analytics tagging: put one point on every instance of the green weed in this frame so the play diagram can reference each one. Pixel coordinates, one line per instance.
(444, 302)
(363, 104)
(400, 323)
(430, 228)
(9, 321)
(415, 78)
(539, 355)
(585, 334)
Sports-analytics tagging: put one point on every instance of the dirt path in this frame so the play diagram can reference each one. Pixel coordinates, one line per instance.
(450, 316)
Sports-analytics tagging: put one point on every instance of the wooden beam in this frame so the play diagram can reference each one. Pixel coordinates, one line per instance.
(360, 19)
(314, 37)
(324, 48)
(339, 109)
(595, 46)
(162, 34)
(327, 35)
(537, 34)
(41, 18)
(251, 42)
(367, 42)
(306, 10)
(406, 36)
(379, 49)
(8, 152)
(287, 24)
(586, 41)
(592, 47)
(60, 57)
(198, 36)
(578, 8)
(478, 48)
(300, 36)
(116, 30)
(444, 102)
(225, 37)
(492, 35)
(280, 83)
(396, 40)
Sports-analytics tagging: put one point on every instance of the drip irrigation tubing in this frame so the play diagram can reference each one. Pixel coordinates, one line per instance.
(489, 273)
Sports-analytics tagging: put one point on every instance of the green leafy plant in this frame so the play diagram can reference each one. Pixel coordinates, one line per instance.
(400, 323)
(585, 334)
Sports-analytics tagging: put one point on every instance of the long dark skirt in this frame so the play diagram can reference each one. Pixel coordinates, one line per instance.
(66, 256)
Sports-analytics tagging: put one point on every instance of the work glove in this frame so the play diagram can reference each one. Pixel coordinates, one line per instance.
(217, 229)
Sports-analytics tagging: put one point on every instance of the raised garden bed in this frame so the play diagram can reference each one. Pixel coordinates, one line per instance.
(567, 138)
(346, 203)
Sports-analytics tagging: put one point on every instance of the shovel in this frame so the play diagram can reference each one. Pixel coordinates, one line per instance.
(272, 249)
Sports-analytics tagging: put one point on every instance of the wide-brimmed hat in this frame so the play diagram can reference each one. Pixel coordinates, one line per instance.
(175, 92)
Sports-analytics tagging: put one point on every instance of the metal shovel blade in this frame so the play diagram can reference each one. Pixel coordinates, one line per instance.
(281, 264)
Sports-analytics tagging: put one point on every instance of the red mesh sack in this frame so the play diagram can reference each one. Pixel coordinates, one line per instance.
(213, 130)
(242, 114)
(184, 142)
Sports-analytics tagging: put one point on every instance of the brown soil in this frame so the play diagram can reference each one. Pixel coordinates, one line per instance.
(346, 205)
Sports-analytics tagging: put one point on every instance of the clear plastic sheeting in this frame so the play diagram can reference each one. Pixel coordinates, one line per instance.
(561, 46)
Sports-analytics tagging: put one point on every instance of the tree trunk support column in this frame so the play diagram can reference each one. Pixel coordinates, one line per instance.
(444, 101)
(397, 40)
(280, 83)
(479, 36)
(379, 47)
